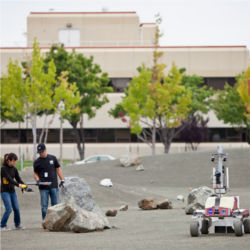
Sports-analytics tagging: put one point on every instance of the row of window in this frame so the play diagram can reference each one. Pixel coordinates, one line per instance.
(119, 84)
(114, 135)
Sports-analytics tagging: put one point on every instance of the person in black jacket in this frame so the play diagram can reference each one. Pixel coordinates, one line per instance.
(9, 179)
(46, 169)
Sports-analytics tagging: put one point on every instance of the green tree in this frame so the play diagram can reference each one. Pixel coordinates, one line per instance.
(154, 105)
(243, 88)
(38, 89)
(92, 84)
(37, 93)
(199, 106)
(12, 94)
(162, 102)
(64, 92)
(230, 108)
(201, 94)
(29, 96)
(154, 100)
(69, 94)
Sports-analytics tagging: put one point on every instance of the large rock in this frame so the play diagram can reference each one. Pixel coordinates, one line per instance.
(86, 221)
(79, 189)
(58, 217)
(147, 204)
(197, 199)
(77, 211)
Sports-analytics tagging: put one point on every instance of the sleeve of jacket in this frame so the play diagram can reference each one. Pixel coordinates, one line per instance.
(17, 177)
(8, 177)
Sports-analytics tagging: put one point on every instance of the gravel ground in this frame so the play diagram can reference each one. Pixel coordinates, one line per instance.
(165, 176)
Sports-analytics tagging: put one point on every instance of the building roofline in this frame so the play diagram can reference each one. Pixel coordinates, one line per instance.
(100, 12)
(138, 47)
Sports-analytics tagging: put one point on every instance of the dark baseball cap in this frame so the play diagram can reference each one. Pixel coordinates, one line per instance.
(40, 148)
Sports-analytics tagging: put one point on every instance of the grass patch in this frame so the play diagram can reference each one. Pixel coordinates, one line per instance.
(30, 163)
(25, 164)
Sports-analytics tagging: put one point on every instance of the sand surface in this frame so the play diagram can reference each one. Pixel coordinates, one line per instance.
(165, 176)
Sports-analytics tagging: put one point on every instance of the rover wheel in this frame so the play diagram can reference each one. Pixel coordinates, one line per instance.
(204, 227)
(238, 228)
(246, 224)
(194, 229)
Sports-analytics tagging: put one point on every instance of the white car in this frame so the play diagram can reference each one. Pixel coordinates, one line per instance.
(95, 158)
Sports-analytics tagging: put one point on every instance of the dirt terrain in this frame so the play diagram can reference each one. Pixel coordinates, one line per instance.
(165, 176)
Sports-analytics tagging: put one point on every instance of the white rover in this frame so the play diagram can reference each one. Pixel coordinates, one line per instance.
(222, 212)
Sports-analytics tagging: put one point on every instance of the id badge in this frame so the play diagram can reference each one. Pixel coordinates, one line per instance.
(46, 174)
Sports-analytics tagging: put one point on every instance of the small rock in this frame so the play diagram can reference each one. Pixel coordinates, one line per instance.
(140, 168)
(106, 183)
(129, 161)
(165, 204)
(123, 208)
(147, 204)
(111, 212)
(137, 161)
(180, 197)
(126, 162)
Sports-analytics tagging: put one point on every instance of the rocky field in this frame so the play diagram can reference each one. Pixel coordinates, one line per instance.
(165, 176)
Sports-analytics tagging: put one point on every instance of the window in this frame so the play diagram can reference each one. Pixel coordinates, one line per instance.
(92, 159)
(219, 82)
(119, 84)
(69, 37)
(103, 158)
(120, 135)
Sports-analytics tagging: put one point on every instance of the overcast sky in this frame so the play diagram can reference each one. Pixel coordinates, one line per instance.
(185, 22)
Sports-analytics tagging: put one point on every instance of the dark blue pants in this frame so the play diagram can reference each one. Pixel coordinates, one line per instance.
(44, 195)
(10, 202)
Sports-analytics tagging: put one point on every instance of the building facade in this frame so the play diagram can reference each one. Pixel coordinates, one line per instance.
(119, 43)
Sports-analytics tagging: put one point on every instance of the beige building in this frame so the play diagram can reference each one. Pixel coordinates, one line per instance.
(84, 29)
(119, 43)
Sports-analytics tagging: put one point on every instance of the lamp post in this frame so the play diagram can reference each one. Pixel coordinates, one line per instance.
(61, 107)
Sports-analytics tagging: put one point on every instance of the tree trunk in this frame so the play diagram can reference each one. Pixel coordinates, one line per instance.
(153, 137)
(19, 132)
(81, 132)
(248, 135)
(33, 125)
(47, 129)
(43, 129)
(78, 140)
(167, 146)
(167, 138)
